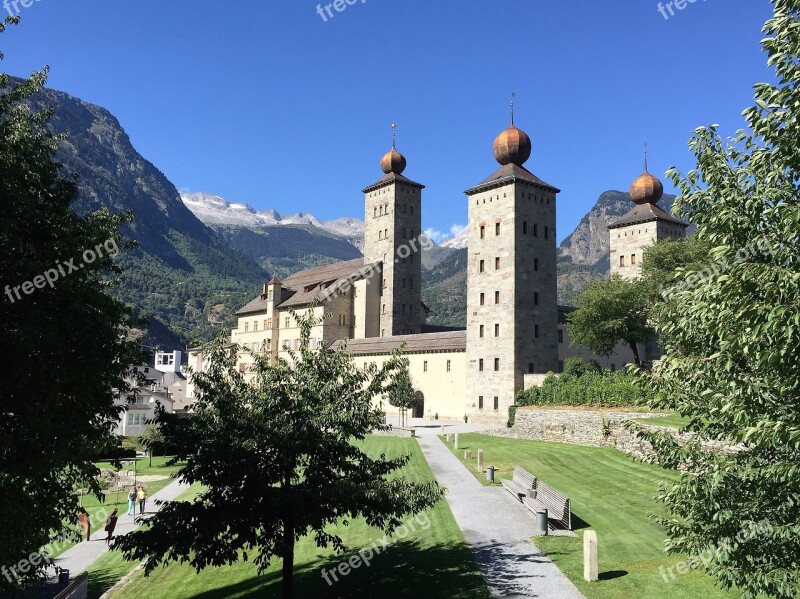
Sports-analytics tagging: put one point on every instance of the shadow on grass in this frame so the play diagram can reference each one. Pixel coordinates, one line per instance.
(612, 574)
(403, 569)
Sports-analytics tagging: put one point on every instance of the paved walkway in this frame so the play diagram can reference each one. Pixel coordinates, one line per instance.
(84, 554)
(497, 528)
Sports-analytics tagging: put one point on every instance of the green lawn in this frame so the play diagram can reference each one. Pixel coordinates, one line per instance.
(433, 561)
(610, 494)
(120, 500)
(670, 420)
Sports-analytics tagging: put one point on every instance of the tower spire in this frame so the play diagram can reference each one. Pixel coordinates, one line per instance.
(513, 95)
(645, 157)
(394, 136)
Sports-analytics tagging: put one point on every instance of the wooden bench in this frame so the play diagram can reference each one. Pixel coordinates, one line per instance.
(522, 484)
(556, 504)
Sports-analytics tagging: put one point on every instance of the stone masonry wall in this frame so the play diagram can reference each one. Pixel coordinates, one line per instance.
(594, 428)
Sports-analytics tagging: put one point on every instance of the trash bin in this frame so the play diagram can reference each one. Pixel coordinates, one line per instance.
(541, 523)
(490, 474)
(63, 577)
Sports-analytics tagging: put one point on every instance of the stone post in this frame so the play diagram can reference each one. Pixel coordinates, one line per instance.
(590, 556)
(456, 445)
(467, 454)
(480, 460)
(442, 433)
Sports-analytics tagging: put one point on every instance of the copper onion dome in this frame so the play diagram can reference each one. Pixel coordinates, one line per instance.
(646, 189)
(512, 146)
(393, 162)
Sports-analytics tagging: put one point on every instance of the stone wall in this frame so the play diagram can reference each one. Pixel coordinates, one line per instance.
(594, 428)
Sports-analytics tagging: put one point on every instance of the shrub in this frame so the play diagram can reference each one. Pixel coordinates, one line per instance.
(601, 388)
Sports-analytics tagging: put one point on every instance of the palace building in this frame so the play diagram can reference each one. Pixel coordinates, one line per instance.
(515, 331)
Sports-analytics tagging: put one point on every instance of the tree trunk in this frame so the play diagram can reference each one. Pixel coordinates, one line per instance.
(635, 351)
(288, 559)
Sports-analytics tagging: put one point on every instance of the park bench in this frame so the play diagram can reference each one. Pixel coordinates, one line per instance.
(522, 484)
(556, 504)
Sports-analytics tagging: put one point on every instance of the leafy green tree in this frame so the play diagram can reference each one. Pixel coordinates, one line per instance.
(63, 348)
(279, 459)
(610, 312)
(664, 261)
(151, 439)
(401, 393)
(732, 340)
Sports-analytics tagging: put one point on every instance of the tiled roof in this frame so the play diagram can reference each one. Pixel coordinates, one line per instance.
(642, 213)
(508, 173)
(451, 341)
(302, 288)
(392, 178)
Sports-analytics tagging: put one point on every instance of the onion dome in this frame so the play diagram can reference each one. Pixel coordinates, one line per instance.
(512, 146)
(646, 189)
(393, 162)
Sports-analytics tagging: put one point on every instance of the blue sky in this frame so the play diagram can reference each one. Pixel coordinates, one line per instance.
(264, 102)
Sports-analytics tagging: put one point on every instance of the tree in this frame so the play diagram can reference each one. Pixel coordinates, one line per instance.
(663, 262)
(610, 312)
(401, 393)
(731, 336)
(151, 438)
(279, 459)
(63, 349)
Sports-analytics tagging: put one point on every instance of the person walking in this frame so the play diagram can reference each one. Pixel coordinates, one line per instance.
(85, 522)
(132, 501)
(142, 497)
(111, 523)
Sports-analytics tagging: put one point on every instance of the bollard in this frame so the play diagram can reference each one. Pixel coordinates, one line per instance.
(442, 430)
(449, 438)
(480, 460)
(467, 454)
(456, 445)
(590, 556)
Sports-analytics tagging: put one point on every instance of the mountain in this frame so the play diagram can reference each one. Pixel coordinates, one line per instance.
(183, 279)
(214, 210)
(457, 242)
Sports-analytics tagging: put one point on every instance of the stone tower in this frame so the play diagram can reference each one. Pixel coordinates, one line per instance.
(393, 225)
(644, 225)
(512, 311)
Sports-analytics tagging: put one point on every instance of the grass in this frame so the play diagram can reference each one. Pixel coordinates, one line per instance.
(669, 420)
(120, 501)
(429, 562)
(611, 495)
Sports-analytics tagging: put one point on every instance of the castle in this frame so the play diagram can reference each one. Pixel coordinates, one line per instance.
(515, 331)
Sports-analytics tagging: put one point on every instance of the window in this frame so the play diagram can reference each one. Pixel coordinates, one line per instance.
(497, 263)
(255, 326)
(267, 324)
(633, 259)
(480, 402)
(497, 228)
(496, 297)
(425, 366)
(535, 230)
(496, 364)
(380, 235)
(561, 335)
(480, 365)
(404, 282)
(483, 231)
(483, 295)
(497, 330)
(383, 309)
(386, 232)
(496, 403)
(247, 327)
(546, 230)
(481, 266)
(524, 227)
(480, 334)
(622, 260)
(530, 367)
(536, 331)
(536, 265)
(535, 298)
(411, 282)
(286, 322)
(375, 213)
(448, 366)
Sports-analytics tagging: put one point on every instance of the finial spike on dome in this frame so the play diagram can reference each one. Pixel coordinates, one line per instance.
(513, 95)
(645, 157)
(394, 136)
